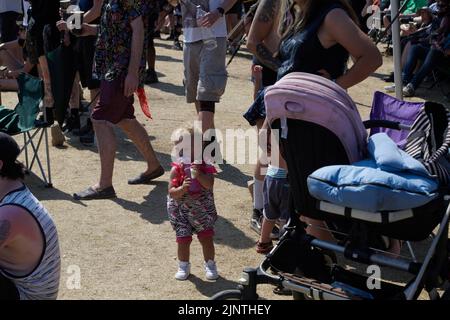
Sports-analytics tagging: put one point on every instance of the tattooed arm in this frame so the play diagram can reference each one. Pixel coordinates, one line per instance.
(266, 57)
(263, 25)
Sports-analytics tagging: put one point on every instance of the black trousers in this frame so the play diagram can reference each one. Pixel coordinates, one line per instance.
(8, 26)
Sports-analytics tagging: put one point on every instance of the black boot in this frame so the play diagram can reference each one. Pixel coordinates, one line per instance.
(151, 77)
(48, 120)
(172, 35)
(73, 122)
(88, 138)
(87, 133)
(86, 129)
(177, 45)
(389, 78)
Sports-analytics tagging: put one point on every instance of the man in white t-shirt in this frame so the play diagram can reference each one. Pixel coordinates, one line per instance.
(205, 72)
(10, 10)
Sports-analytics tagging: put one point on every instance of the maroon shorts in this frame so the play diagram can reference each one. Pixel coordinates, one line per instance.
(113, 106)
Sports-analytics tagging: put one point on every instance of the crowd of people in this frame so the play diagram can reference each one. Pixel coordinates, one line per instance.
(113, 55)
(425, 26)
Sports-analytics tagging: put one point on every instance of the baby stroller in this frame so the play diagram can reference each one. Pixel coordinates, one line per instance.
(320, 126)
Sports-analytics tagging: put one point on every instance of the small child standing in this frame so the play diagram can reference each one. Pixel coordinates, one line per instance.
(275, 200)
(191, 209)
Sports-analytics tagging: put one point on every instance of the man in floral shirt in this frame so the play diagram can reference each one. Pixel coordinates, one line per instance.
(120, 66)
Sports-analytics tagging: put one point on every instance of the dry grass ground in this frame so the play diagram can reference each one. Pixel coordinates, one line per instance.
(126, 248)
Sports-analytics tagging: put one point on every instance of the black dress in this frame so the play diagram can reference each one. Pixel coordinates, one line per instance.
(303, 52)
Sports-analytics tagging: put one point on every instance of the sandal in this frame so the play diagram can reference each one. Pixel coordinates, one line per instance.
(264, 247)
(93, 194)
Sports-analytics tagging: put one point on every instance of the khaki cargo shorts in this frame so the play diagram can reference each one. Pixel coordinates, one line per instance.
(205, 73)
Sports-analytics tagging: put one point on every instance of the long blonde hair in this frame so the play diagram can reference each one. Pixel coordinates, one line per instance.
(284, 17)
(304, 13)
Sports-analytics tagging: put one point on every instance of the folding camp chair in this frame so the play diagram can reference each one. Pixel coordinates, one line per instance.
(22, 120)
(388, 115)
(386, 108)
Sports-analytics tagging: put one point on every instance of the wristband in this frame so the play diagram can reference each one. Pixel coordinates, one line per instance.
(221, 11)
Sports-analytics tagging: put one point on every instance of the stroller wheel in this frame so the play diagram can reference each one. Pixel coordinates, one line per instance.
(228, 295)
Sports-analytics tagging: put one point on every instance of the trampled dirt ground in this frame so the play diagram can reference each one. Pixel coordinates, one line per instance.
(125, 248)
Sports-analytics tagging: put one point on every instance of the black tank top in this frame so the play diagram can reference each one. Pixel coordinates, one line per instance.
(303, 51)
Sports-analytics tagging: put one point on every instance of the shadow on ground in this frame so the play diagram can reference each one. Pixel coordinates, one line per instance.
(208, 288)
(153, 208)
(233, 175)
(37, 186)
(167, 58)
(177, 90)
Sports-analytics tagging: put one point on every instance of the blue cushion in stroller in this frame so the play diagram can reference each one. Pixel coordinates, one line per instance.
(390, 180)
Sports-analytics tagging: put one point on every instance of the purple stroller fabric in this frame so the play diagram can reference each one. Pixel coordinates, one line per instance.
(385, 107)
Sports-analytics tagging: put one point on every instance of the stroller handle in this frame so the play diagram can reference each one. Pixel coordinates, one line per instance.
(370, 124)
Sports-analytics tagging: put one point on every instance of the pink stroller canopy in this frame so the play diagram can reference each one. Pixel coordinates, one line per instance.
(312, 98)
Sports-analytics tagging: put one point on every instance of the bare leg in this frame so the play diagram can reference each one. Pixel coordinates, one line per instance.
(94, 95)
(74, 102)
(395, 247)
(267, 227)
(207, 119)
(208, 248)
(184, 251)
(197, 107)
(136, 132)
(106, 140)
(316, 229)
(48, 98)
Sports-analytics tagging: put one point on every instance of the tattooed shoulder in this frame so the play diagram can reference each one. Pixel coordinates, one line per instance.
(267, 11)
(5, 228)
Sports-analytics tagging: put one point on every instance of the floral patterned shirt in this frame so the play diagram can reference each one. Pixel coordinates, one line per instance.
(113, 48)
